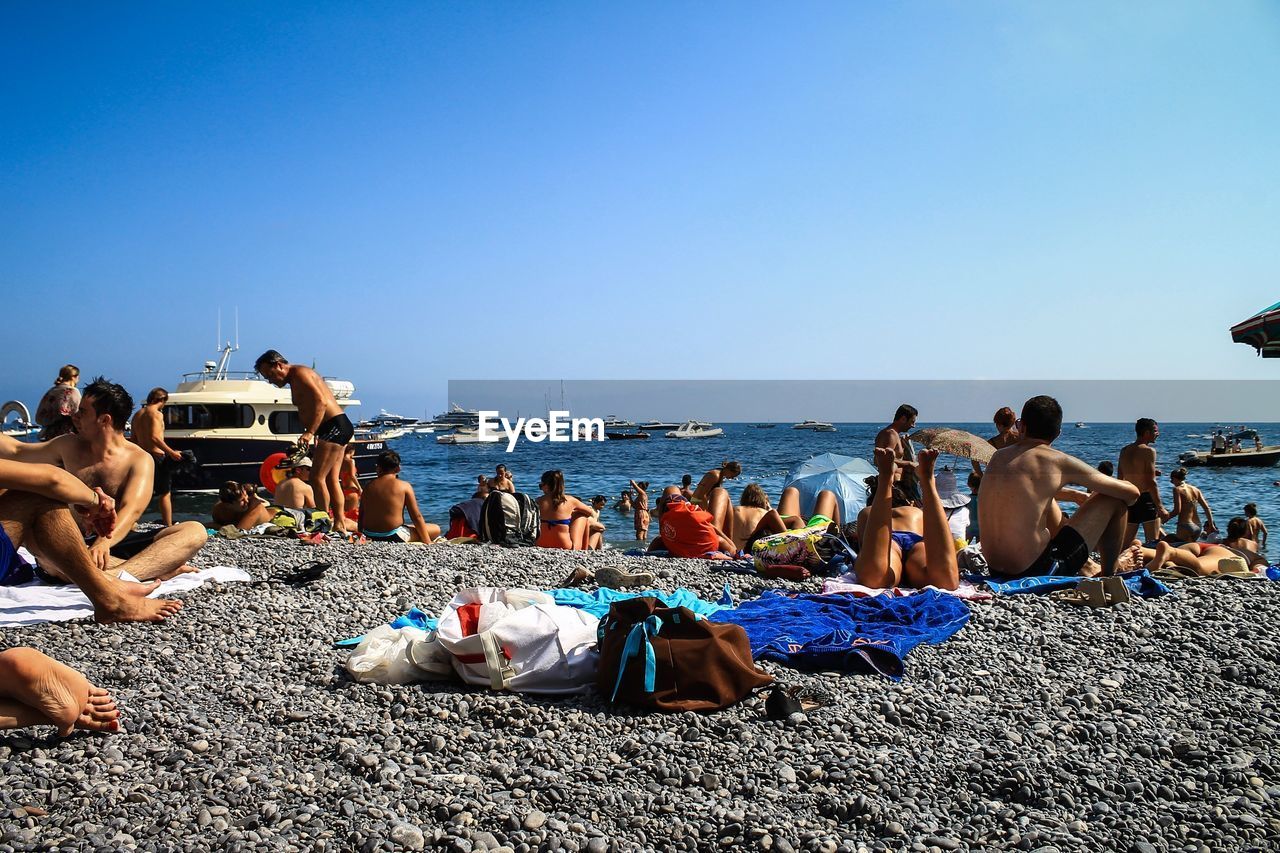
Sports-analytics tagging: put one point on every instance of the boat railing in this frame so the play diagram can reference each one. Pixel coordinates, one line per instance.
(211, 376)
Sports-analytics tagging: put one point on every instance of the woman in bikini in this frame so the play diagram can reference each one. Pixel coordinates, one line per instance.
(566, 521)
(1203, 557)
(898, 547)
(641, 505)
(753, 518)
(351, 488)
(713, 480)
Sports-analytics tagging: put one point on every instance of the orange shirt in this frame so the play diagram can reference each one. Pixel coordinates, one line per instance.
(688, 530)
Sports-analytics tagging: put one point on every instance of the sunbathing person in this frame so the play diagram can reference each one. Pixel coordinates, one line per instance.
(1019, 499)
(36, 690)
(889, 556)
(788, 516)
(712, 480)
(641, 509)
(566, 521)
(296, 492)
(100, 456)
(596, 539)
(688, 530)
(349, 477)
(752, 507)
(1204, 557)
(34, 513)
(1186, 498)
(502, 480)
(385, 502)
(239, 505)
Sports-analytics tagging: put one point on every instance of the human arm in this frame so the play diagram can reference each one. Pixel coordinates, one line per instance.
(1071, 496)
(1209, 526)
(48, 452)
(1077, 473)
(95, 505)
(1262, 528)
(415, 514)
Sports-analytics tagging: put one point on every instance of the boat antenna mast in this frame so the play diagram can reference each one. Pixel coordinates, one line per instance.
(226, 348)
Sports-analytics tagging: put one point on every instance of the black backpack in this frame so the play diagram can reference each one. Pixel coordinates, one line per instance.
(510, 519)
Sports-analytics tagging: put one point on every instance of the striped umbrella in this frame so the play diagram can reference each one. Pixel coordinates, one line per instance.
(1261, 331)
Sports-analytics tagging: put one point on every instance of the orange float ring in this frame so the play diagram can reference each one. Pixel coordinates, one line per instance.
(269, 474)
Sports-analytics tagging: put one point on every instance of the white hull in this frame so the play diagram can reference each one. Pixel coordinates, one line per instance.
(464, 437)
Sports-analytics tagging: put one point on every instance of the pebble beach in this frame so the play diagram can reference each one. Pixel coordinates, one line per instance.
(1148, 726)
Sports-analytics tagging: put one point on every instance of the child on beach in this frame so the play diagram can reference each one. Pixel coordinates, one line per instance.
(1256, 527)
(641, 490)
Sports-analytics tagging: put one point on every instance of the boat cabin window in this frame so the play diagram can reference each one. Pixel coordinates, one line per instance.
(208, 416)
(285, 423)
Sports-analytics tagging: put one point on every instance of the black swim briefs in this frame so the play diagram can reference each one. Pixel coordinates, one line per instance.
(162, 483)
(1065, 554)
(336, 430)
(1143, 510)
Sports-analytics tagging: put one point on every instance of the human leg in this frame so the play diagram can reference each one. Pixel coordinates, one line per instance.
(326, 458)
(826, 503)
(940, 569)
(44, 692)
(166, 509)
(46, 527)
(580, 532)
(789, 508)
(721, 509)
(1100, 521)
(875, 566)
(433, 530)
(168, 554)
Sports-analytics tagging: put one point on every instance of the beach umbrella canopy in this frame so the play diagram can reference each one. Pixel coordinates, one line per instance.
(956, 442)
(1261, 331)
(844, 475)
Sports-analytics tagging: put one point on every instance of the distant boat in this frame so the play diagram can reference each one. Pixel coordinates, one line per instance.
(824, 428)
(658, 425)
(821, 426)
(625, 436)
(695, 429)
(467, 436)
(615, 423)
(1081, 425)
(1252, 457)
(764, 426)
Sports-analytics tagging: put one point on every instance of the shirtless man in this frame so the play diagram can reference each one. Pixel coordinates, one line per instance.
(98, 454)
(34, 513)
(1138, 466)
(296, 491)
(323, 422)
(904, 420)
(239, 504)
(36, 690)
(148, 433)
(1186, 497)
(384, 504)
(1019, 494)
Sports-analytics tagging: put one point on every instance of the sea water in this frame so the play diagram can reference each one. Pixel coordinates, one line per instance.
(443, 475)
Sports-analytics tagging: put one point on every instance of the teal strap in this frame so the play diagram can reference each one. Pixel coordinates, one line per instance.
(637, 638)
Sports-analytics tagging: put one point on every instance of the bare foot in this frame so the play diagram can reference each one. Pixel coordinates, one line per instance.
(181, 570)
(924, 464)
(1160, 557)
(1130, 558)
(63, 696)
(885, 461)
(130, 604)
(1090, 569)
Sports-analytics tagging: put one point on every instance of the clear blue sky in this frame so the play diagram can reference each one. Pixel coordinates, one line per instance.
(409, 193)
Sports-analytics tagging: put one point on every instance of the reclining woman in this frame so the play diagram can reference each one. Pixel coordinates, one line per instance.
(1203, 557)
(750, 523)
(566, 521)
(905, 545)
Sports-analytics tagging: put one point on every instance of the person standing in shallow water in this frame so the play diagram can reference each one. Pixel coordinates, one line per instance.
(323, 424)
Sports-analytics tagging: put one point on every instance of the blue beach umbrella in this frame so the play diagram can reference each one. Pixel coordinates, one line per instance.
(843, 475)
(1261, 331)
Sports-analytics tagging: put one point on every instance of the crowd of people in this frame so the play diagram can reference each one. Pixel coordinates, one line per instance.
(72, 499)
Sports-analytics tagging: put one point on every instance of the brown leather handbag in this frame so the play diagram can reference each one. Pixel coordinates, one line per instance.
(672, 659)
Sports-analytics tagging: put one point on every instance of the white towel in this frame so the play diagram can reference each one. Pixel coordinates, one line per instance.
(849, 583)
(34, 603)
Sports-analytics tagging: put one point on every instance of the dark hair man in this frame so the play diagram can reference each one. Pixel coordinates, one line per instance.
(1138, 466)
(384, 503)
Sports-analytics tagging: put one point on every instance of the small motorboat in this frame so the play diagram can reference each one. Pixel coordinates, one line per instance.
(651, 426)
(625, 436)
(825, 428)
(1081, 425)
(467, 436)
(695, 429)
(763, 426)
(1257, 456)
(821, 426)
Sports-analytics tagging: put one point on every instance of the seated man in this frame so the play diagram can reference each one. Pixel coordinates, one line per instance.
(36, 690)
(34, 512)
(385, 502)
(1019, 499)
(686, 530)
(99, 456)
(239, 504)
(296, 492)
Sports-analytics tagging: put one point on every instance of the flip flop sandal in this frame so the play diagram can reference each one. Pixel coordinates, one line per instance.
(781, 703)
(1089, 592)
(1115, 591)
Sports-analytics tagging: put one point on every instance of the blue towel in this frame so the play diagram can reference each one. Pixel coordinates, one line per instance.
(1273, 572)
(414, 618)
(1140, 583)
(597, 603)
(840, 632)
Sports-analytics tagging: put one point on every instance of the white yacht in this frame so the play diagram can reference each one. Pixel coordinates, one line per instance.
(232, 421)
(467, 435)
(20, 426)
(658, 425)
(820, 426)
(456, 418)
(695, 429)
